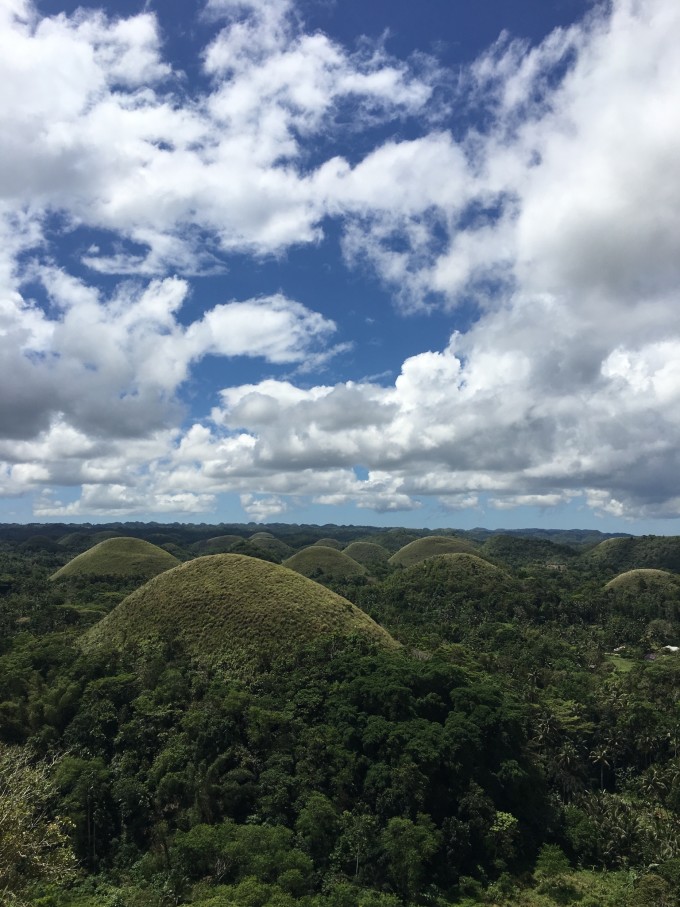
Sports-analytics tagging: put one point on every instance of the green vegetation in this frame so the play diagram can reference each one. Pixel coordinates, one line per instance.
(431, 546)
(329, 543)
(270, 547)
(622, 554)
(368, 554)
(230, 609)
(323, 564)
(123, 557)
(643, 577)
(516, 551)
(34, 845)
(219, 544)
(233, 734)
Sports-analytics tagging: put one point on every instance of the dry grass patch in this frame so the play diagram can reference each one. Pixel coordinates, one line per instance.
(326, 563)
(123, 557)
(634, 579)
(431, 546)
(234, 609)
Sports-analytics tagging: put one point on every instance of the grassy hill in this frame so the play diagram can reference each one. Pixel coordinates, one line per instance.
(367, 553)
(218, 544)
(232, 609)
(75, 540)
(443, 590)
(329, 543)
(123, 557)
(517, 551)
(107, 534)
(647, 551)
(325, 563)
(394, 539)
(272, 546)
(642, 578)
(431, 546)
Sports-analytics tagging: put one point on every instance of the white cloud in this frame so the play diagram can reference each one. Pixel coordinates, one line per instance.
(92, 126)
(560, 218)
(112, 368)
(262, 509)
(121, 500)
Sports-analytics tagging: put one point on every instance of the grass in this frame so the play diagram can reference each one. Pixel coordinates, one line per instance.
(123, 557)
(584, 888)
(219, 544)
(272, 545)
(329, 543)
(449, 588)
(430, 546)
(651, 552)
(328, 563)
(458, 570)
(620, 664)
(367, 553)
(632, 580)
(234, 609)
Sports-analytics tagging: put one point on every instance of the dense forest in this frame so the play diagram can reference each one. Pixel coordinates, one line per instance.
(337, 716)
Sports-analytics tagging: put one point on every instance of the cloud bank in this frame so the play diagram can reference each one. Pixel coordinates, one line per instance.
(556, 213)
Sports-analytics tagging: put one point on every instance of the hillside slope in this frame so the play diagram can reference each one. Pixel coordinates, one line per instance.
(122, 557)
(234, 609)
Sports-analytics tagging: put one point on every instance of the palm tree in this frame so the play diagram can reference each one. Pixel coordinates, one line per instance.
(600, 756)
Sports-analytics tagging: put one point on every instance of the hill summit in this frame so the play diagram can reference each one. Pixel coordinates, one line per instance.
(232, 609)
(325, 563)
(122, 556)
(431, 546)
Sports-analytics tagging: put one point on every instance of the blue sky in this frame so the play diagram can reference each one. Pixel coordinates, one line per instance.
(342, 262)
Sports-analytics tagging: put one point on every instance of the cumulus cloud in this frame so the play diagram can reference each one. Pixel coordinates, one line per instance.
(111, 367)
(262, 509)
(94, 125)
(557, 215)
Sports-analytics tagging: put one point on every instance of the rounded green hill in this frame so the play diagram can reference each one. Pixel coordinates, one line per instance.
(329, 543)
(123, 557)
(75, 540)
(367, 553)
(218, 544)
(325, 563)
(518, 551)
(431, 546)
(632, 580)
(613, 554)
(272, 546)
(232, 609)
(394, 539)
(657, 552)
(104, 535)
(451, 585)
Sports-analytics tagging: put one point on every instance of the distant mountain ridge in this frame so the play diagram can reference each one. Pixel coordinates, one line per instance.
(295, 535)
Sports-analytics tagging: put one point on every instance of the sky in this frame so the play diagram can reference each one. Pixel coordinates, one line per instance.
(338, 261)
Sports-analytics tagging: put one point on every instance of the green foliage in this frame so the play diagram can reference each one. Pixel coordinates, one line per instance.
(551, 862)
(34, 843)
(368, 554)
(516, 551)
(236, 734)
(617, 555)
